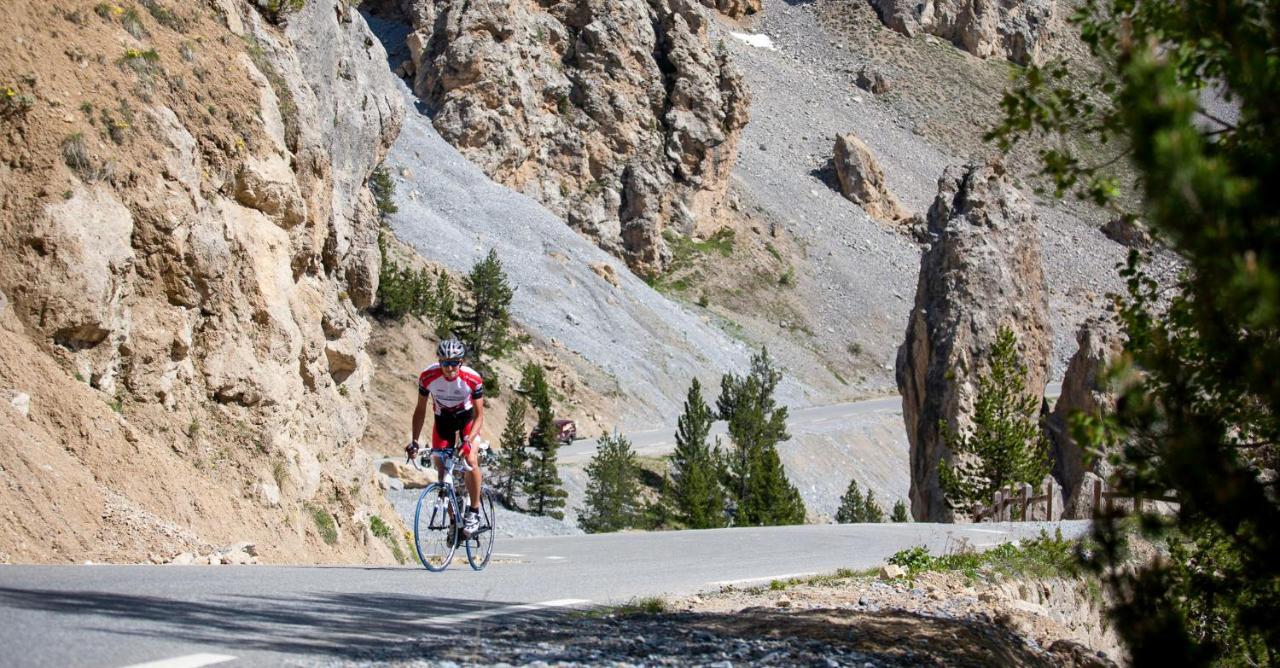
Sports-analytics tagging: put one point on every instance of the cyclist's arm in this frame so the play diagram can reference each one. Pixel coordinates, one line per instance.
(419, 416)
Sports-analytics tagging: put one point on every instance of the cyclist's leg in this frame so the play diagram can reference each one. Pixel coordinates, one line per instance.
(439, 441)
(473, 476)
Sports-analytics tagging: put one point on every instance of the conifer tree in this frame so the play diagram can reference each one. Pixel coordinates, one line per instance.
(754, 474)
(444, 306)
(899, 512)
(513, 459)
(874, 513)
(613, 487)
(856, 508)
(543, 488)
(1006, 445)
(695, 494)
(484, 318)
(771, 499)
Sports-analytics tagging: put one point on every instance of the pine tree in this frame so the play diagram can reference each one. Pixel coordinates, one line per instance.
(543, 488)
(513, 460)
(484, 318)
(753, 472)
(852, 505)
(771, 499)
(855, 508)
(873, 512)
(444, 306)
(1006, 445)
(899, 512)
(695, 494)
(384, 189)
(613, 488)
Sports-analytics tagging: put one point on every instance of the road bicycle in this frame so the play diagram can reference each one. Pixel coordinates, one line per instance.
(437, 529)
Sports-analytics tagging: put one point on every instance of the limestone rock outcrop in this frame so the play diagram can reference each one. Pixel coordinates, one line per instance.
(201, 284)
(862, 181)
(1084, 390)
(981, 272)
(1013, 29)
(621, 117)
(735, 8)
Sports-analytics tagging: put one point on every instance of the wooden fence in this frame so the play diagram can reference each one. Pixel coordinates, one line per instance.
(1024, 503)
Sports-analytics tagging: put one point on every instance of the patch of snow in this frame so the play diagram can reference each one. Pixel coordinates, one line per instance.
(759, 41)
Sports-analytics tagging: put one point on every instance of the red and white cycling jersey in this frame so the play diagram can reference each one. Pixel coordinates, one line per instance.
(451, 396)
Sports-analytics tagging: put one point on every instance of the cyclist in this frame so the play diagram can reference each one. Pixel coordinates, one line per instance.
(457, 396)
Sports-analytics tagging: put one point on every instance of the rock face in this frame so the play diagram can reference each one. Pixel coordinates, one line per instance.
(207, 281)
(618, 116)
(982, 272)
(1083, 391)
(862, 181)
(734, 8)
(1014, 29)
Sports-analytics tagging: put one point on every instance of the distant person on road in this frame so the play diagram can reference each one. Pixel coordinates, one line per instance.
(457, 396)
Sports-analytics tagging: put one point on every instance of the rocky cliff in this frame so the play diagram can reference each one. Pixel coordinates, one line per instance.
(981, 272)
(190, 242)
(620, 117)
(1084, 390)
(1015, 29)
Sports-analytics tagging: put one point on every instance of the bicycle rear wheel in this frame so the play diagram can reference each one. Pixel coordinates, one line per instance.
(435, 528)
(480, 543)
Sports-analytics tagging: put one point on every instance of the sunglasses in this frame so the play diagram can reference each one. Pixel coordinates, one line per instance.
(451, 363)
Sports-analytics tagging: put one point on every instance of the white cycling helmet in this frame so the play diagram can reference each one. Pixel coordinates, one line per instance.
(451, 349)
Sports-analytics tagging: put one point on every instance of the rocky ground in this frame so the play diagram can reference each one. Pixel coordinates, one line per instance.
(937, 620)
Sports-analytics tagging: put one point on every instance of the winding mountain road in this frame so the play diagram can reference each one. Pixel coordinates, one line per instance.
(191, 616)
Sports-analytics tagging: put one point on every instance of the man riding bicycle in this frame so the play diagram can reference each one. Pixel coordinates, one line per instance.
(457, 395)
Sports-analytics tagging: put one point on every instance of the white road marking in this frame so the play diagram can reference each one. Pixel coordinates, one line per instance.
(512, 555)
(767, 578)
(505, 610)
(188, 661)
(556, 558)
(995, 531)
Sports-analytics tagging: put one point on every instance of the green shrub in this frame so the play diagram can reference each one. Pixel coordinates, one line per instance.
(278, 11)
(1041, 557)
(132, 23)
(325, 524)
(383, 532)
(165, 16)
(14, 102)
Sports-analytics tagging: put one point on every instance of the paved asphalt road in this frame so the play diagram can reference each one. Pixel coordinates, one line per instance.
(661, 441)
(273, 615)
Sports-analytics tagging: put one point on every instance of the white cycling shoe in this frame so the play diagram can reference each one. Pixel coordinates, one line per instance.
(470, 522)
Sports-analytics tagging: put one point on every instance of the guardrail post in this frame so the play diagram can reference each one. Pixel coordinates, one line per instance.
(995, 505)
(1048, 500)
(1026, 501)
(1097, 497)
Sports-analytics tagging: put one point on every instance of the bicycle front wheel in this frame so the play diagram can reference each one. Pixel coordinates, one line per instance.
(435, 527)
(480, 543)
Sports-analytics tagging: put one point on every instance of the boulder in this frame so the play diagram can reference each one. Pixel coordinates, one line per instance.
(862, 181)
(390, 484)
(735, 8)
(621, 117)
(20, 402)
(1084, 390)
(411, 477)
(892, 572)
(1013, 29)
(873, 80)
(605, 270)
(982, 271)
(1127, 231)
